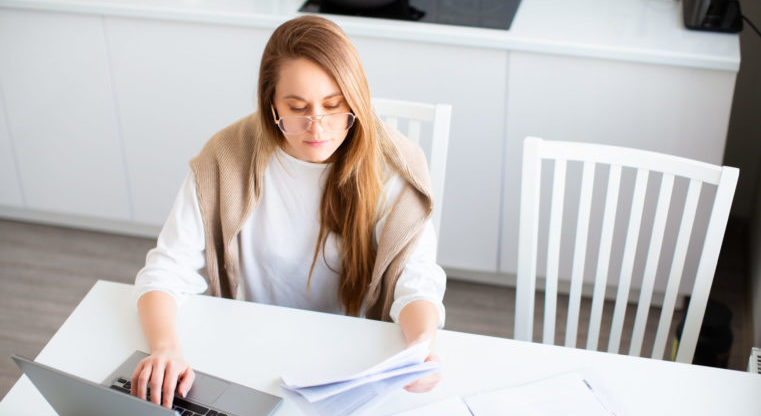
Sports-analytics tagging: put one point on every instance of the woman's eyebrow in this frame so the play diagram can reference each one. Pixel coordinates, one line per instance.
(296, 97)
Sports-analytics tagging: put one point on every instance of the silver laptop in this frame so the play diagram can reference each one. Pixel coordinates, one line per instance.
(70, 395)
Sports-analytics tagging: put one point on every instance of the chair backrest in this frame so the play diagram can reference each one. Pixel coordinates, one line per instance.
(419, 119)
(536, 150)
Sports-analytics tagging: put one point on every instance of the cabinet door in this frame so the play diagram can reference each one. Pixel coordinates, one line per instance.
(10, 188)
(675, 110)
(472, 80)
(177, 84)
(60, 113)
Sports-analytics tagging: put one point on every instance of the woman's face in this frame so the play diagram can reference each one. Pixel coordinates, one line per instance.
(305, 89)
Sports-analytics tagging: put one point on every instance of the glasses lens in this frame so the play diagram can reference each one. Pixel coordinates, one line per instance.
(337, 122)
(329, 122)
(294, 125)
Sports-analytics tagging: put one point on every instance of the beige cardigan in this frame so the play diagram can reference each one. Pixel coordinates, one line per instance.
(228, 172)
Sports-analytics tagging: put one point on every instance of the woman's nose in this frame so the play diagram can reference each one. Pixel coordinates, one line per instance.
(316, 126)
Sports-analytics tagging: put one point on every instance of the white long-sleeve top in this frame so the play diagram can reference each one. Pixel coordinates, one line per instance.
(277, 246)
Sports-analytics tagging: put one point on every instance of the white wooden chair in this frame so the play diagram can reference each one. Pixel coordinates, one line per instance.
(420, 118)
(534, 151)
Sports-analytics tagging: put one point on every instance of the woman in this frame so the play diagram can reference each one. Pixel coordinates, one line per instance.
(311, 202)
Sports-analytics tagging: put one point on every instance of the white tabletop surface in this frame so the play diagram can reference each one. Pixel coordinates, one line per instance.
(254, 344)
(649, 31)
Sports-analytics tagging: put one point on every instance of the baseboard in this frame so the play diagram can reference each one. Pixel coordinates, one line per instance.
(564, 286)
(80, 222)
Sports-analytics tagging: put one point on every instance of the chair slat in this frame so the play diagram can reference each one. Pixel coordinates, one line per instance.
(391, 122)
(627, 262)
(413, 130)
(707, 264)
(553, 252)
(580, 253)
(438, 155)
(677, 267)
(651, 265)
(603, 258)
(527, 238)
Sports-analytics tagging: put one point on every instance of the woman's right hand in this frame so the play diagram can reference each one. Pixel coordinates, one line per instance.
(164, 371)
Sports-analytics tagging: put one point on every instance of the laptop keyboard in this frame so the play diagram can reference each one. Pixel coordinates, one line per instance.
(180, 405)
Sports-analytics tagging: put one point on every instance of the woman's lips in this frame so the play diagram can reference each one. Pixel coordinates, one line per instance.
(316, 143)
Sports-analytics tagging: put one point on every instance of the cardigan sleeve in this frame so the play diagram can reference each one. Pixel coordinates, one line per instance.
(422, 278)
(174, 265)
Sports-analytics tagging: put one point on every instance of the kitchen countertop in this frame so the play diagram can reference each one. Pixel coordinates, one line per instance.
(646, 31)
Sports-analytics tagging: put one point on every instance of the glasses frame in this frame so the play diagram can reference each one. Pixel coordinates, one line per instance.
(311, 119)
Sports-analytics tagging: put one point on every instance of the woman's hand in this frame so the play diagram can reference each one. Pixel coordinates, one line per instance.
(428, 382)
(419, 321)
(162, 371)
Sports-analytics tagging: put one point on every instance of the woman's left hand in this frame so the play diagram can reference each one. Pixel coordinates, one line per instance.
(428, 382)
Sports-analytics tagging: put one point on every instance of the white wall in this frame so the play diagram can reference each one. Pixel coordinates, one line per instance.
(744, 150)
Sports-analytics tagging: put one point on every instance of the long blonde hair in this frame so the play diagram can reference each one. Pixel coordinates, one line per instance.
(353, 186)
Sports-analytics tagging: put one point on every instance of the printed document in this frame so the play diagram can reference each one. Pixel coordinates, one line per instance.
(352, 394)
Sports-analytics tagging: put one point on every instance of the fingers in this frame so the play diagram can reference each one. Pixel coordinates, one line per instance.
(186, 381)
(133, 380)
(424, 384)
(140, 379)
(170, 382)
(162, 372)
(157, 379)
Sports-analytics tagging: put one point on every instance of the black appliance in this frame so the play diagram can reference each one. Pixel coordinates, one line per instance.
(712, 15)
(491, 14)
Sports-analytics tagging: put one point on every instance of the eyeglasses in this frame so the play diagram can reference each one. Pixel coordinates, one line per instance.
(298, 124)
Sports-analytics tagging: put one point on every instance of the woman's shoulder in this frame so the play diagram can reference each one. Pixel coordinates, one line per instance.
(405, 148)
(405, 156)
(238, 144)
(234, 137)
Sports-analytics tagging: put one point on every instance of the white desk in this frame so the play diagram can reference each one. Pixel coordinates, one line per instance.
(254, 344)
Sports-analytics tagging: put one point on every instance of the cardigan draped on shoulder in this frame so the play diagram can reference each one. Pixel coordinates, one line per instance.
(228, 174)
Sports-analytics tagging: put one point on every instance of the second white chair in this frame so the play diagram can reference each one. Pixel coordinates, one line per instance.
(435, 147)
(536, 150)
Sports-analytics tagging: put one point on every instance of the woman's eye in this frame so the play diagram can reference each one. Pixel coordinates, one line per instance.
(332, 107)
(298, 109)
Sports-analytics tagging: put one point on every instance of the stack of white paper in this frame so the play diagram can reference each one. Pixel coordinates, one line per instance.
(351, 394)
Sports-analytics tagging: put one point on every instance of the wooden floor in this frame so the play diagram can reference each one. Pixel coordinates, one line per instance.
(45, 271)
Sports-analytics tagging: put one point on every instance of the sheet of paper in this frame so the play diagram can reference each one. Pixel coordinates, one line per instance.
(315, 393)
(566, 394)
(351, 394)
(454, 406)
(412, 355)
(355, 401)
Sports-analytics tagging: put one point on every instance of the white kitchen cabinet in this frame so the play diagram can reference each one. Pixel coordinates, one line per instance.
(176, 84)
(60, 113)
(10, 188)
(473, 81)
(670, 109)
(106, 101)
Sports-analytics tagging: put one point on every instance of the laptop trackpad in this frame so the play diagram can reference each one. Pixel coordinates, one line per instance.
(207, 389)
(243, 400)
